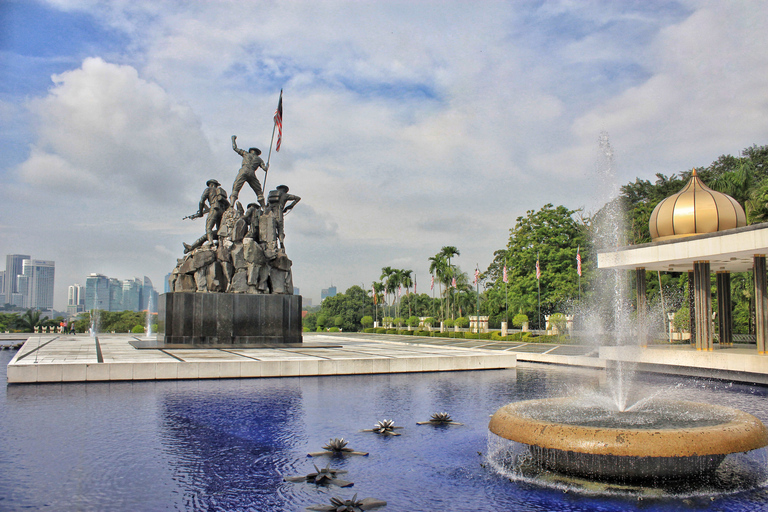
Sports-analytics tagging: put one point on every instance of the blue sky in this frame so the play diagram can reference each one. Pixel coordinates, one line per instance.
(408, 125)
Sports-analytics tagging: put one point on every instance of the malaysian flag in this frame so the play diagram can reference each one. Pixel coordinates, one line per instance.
(279, 121)
(453, 282)
(432, 283)
(538, 269)
(578, 261)
(477, 275)
(505, 278)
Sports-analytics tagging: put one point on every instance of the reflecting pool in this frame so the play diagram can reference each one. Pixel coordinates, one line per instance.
(226, 444)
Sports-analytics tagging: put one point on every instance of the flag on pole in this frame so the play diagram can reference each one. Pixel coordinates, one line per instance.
(578, 261)
(538, 269)
(477, 275)
(505, 278)
(279, 121)
(375, 301)
(414, 284)
(432, 283)
(453, 282)
(399, 291)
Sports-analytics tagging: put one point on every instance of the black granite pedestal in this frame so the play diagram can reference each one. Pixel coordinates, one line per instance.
(228, 319)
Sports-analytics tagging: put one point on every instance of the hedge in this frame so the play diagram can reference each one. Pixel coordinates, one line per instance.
(405, 332)
(333, 329)
(391, 331)
(380, 330)
(368, 329)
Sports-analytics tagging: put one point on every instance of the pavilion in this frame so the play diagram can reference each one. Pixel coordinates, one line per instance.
(700, 231)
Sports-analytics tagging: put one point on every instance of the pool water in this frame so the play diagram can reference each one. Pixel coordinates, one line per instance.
(226, 444)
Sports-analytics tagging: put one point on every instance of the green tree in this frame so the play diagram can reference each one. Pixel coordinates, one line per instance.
(31, 319)
(553, 235)
(350, 306)
(438, 267)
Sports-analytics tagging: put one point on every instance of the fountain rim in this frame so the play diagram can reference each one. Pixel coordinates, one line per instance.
(743, 433)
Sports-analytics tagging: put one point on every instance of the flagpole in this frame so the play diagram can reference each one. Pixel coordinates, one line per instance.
(477, 286)
(269, 156)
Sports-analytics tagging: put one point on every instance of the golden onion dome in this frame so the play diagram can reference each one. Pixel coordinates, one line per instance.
(696, 209)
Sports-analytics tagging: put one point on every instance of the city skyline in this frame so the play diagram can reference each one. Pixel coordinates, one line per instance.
(407, 126)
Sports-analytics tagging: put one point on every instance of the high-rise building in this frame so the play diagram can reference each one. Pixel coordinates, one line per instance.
(20, 299)
(167, 283)
(112, 294)
(38, 288)
(14, 267)
(96, 292)
(2, 284)
(75, 299)
(327, 292)
(132, 294)
(115, 294)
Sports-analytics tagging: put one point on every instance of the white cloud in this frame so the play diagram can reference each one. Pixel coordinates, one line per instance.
(104, 130)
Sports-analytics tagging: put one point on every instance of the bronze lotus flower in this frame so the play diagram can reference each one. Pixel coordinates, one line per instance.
(439, 418)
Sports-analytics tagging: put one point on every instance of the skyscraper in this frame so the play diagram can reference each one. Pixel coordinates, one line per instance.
(39, 276)
(327, 292)
(132, 294)
(14, 267)
(96, 292)
(75, 299)
(115, 295)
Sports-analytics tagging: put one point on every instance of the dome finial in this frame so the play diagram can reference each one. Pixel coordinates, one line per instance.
(693, 173)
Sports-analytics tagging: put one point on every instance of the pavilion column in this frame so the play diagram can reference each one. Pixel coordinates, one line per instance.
(761, 302)
(724, 309)
(692, 307)
(702, 296)
(642, 331)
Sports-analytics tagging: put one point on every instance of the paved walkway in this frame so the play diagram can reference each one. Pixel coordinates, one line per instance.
(66, 358)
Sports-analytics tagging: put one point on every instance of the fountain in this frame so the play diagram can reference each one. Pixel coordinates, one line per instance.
(94, 328)
(610, 438)
(149, 317)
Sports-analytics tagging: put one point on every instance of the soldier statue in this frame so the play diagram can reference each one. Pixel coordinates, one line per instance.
(217, 205)
(283, 208)
(247, 172)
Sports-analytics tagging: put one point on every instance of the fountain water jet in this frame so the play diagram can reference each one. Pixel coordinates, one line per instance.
(149, 316)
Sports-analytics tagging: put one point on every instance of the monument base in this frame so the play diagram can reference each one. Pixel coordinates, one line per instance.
(228, 319)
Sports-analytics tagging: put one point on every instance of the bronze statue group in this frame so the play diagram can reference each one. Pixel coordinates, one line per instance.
(242, 250)
(265, 221)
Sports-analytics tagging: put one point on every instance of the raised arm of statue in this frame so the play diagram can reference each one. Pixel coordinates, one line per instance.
(234, 146)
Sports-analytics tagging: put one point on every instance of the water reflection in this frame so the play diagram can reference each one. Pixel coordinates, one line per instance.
(225, 447)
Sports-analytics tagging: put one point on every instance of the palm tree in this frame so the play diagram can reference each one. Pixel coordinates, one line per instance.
(378, 288)
(448, 252)
(397, 280)
(386, 276)
(31, 319)
(439, 268)
(406, 281)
